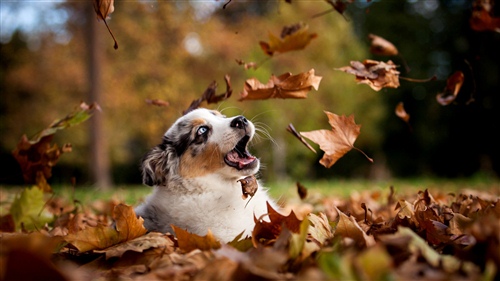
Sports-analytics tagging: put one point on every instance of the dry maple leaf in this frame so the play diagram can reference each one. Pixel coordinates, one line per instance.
(266, 232)
(348, 227)
(140, 244)
(376, 74)
(210, 95)
(285, 86)
(337, 141)
(190, 241)
(292, 38)
(248, 186)
(103, 9)
(128, 227)
(380, 46)
(453, 85)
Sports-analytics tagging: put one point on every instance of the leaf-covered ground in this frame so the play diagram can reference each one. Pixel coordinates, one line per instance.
(365, 236)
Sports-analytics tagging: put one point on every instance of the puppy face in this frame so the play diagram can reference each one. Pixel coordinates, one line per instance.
(199, 143)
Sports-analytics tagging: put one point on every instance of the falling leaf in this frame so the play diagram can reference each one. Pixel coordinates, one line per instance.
(190, 241)
(293, 37)
(128, 227)
(247, 65)
(36, 156)
(103, 9)
(482, 17)
(284, 86)
(380, 46)
(376, 74)
(294, 132)
(337, 141)
(301, 190)
(401, 113)
(249, 186)
(453, 85)
(157, 102)
(210, 95)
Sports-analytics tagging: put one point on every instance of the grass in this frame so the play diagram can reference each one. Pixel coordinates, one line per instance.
(133, 194)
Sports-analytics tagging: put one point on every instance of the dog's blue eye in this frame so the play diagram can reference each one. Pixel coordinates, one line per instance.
(202, 130)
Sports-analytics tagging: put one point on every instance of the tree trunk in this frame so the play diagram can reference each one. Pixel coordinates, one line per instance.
(99, 153)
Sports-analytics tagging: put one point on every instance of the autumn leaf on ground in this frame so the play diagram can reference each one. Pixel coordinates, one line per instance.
(380, 46)
(36, 156)
(269, 227)
(128, 227)
(293, 37)
(285, 86)
(103, 9)
(140, 244)
(337, 141)
(28, 210)
(482, 17)
(190, 241)
(348, 227)
(210, 95)
(453, 85)
(376, 74)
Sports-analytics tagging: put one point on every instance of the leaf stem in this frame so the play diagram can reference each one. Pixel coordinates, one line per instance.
(369, 159)
(418, 80)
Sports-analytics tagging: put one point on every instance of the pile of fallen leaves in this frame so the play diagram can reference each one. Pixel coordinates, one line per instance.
(367, 236)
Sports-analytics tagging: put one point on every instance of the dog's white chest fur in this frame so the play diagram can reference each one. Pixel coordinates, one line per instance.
(195, 173)
(219, 208)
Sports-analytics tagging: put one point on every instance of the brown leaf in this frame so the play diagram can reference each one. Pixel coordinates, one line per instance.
(284, 86)
(376, 74)
(248, 186)
(267, 231)
(140, 244)
(190, 241)
(210, 95)
(337, 141)
(453, 85)
(380, 46)
(347, 226)
(293, 37)
(482, 17)
(157, 102)
(247, 65)
(294, 132)
(103, 9)
(301, 190)
(401, 112)
(128, 227)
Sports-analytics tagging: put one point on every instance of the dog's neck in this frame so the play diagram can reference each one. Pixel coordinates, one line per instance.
(211, 182)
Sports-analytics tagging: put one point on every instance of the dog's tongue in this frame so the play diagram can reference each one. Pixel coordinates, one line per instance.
(241, 161)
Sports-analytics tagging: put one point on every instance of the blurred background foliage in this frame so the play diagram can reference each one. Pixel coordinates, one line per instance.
(174, 50)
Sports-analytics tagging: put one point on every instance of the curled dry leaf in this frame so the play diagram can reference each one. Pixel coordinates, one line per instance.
(401, 112)
(210, 95)
(453, 85)
(248, 186)
(285, 86)
(482, 17)
(267, 231)
(348, 227)
(294, 132)
(376, 74)
(380, 46)
(337, 141)
(103, 9)
(293, 37)
(157, 102)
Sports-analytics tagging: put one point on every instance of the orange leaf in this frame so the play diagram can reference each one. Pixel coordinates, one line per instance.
(190, 241)
(380, 46)
(266, 232)
(338, 141)
(453, 85)
(401, 112)
(376, 74)
(128, 227)
(284, 86)
(293, 37)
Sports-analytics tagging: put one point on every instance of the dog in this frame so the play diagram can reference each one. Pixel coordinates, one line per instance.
(195, 173)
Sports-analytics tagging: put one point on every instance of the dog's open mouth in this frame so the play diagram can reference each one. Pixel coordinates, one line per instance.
(239, 157)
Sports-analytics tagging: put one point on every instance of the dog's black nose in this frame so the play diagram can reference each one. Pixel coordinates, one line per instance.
(239, 122)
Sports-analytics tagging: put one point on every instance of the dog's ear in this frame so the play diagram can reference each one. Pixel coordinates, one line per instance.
(155, 167)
